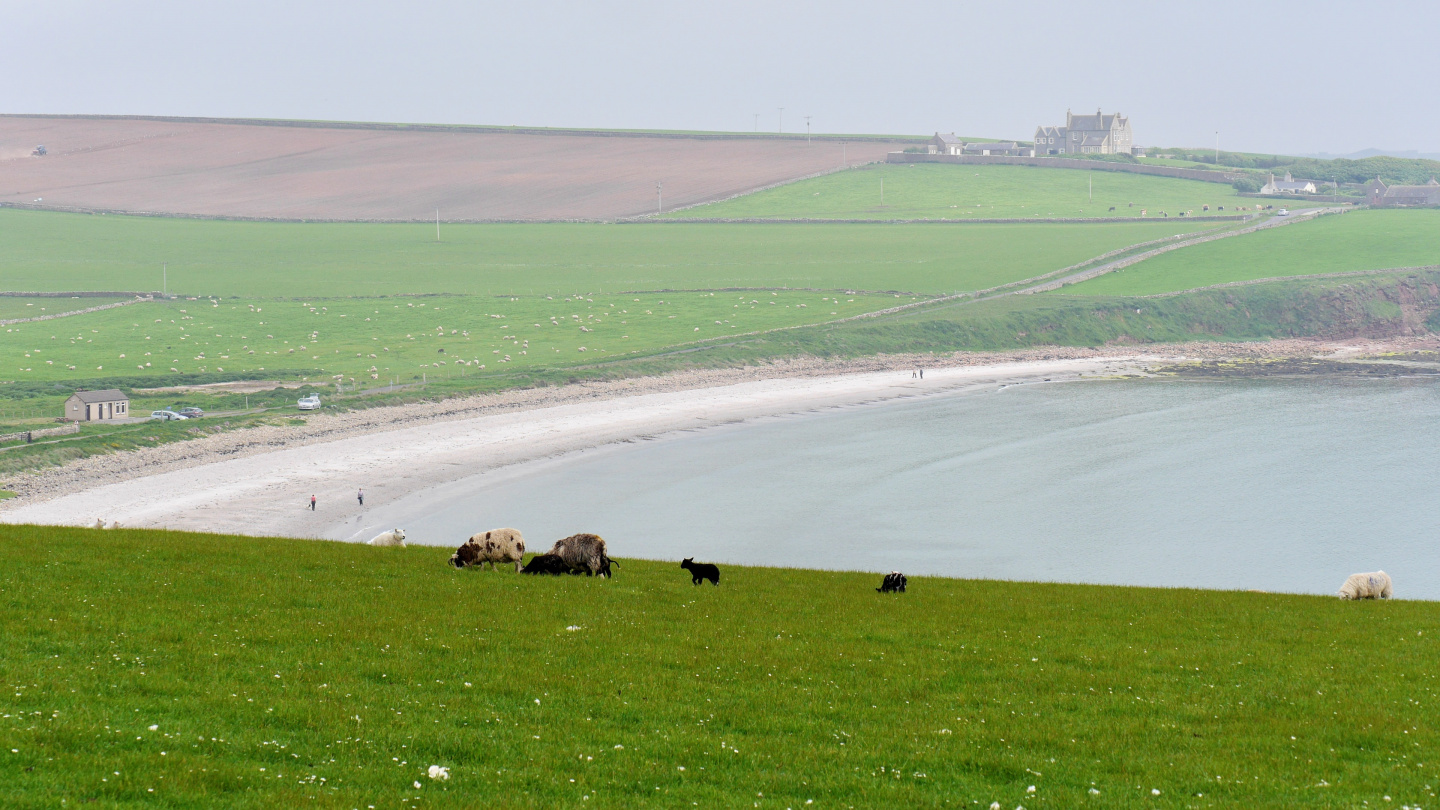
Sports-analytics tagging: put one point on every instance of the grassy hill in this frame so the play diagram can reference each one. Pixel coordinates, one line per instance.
(1358, 240)
(196, 670)
(943, 191)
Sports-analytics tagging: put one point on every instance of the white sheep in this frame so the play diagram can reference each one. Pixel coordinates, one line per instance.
(394, 537)
(1375, 585)
(494, 546)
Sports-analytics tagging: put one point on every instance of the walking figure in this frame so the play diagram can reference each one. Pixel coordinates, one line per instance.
(312, 503)
(922, 373)
(360, 496)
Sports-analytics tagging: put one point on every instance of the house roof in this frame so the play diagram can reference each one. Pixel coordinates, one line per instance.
(108, 395)
(947, 138)
(993, 147)
(1050, 131)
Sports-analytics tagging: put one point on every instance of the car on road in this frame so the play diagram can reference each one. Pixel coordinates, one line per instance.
(191, 413)
(165, 416)
(309, 402)
(1283, 212)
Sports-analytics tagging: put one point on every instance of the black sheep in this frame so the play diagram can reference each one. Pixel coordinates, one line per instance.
(699, 571)
(545, 564)
(894, 582)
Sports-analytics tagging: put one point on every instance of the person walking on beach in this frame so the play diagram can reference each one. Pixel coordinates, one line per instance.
(360, 496)
(922, 373)
(312, 503)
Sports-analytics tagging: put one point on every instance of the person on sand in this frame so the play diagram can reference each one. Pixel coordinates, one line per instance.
(360, 496)
(312, 503)
(922, 373)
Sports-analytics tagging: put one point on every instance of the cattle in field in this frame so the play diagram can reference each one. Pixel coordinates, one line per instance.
(493, 546)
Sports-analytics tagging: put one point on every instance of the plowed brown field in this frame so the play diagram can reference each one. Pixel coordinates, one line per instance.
(306, 172)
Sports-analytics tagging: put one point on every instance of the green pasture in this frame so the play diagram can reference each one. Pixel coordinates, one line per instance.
(400, 338)
(946, 191)
(209, 671)
(1356, 240)
(12, 307)
(42, 251)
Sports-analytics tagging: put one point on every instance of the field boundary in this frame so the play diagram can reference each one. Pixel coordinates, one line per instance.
(1426, 268)
(942, 221)
(480, 129)
(86, 311)
(1069, 163)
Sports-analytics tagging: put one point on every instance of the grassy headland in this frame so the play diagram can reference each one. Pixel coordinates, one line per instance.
(197, 670)
(944, 191)
(1358, 240)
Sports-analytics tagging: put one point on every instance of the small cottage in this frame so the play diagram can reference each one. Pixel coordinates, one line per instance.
(91, 406)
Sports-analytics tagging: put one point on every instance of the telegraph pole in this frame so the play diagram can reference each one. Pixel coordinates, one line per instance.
(807, 130)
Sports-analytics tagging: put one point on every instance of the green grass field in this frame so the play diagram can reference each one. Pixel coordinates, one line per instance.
(145, 668)
(1357, 240)
(41, 251)
(943, 191)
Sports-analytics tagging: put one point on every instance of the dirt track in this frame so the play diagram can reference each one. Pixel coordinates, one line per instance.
(239, 170)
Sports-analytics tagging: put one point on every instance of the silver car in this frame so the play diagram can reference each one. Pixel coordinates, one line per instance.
(165, 416)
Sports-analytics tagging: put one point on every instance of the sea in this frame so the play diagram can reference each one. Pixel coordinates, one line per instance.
(1282, 485)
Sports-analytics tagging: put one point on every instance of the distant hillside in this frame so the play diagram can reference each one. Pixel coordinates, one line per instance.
(1409, 154)
(1345, 170)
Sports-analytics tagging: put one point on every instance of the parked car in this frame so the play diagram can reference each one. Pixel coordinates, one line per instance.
(1283, 212)
(191, 413)
(165, 416)
(309, 402)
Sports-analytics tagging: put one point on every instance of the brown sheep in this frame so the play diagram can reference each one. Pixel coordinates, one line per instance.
(496, 545)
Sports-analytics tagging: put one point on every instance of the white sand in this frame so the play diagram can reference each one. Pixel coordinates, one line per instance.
(268, 492)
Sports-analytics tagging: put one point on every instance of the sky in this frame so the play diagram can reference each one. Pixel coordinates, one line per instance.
(1266, 75)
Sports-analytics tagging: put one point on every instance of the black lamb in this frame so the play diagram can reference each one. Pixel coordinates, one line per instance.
(699, 571)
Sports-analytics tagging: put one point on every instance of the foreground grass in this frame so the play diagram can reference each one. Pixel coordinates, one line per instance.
(42, 251)
(944, 191)
(1358, 240)
(194, 670)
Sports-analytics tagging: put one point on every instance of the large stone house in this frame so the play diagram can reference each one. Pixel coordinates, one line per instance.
(943, 144)
(1288, 186)
(90, 406)
(1097, 134)
(1381, 195)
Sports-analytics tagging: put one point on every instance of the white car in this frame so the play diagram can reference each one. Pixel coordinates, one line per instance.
(309, 403)
(1283, 212)
(166, 416)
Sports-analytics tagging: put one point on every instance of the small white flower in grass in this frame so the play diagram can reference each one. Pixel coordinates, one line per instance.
(619, 748)
(154, 728)
(467, 684)
(1094, 792)
(681, 767)
(572, 628)
(994, 806)
(1030, 789)
(537, 701)
(439, 772)
(1154, 791)
(417, 785)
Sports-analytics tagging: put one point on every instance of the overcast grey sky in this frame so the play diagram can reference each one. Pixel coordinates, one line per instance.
(1269, 75)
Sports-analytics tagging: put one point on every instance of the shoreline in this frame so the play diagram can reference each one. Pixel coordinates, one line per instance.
(257, 481)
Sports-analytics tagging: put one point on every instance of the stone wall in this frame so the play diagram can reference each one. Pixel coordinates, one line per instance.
(1072, 163)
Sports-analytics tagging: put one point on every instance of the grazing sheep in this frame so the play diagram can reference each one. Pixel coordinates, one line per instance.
(99, 523)
(394, 537)
(894, 582)
(605, 567)
(1375, 585)
(583, 552)
(699, 571)
(496, 545)
(546, 564)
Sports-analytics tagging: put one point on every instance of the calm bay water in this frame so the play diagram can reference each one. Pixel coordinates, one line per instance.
(1274, 485)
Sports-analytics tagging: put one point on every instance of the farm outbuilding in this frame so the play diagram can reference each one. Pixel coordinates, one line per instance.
(92, 406)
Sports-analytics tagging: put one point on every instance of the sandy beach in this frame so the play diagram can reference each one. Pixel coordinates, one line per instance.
(258, 481)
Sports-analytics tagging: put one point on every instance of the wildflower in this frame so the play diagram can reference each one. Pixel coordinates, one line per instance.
(439, 772)
(417, 785)
(1030, 789)
(1154, 791)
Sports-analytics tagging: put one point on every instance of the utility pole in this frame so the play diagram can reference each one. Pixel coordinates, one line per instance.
(659, 198)
(843, 161)
(807, 130)
(782, 120)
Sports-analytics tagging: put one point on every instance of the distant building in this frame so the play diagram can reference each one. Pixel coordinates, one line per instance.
(1007, 148)
(1288, 186)
(91, 406)
(943, 144)
(1097, 134)
(1383, 196)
